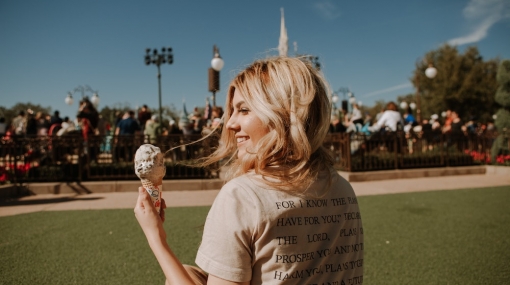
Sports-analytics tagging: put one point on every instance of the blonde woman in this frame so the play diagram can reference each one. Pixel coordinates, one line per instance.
(285, 216)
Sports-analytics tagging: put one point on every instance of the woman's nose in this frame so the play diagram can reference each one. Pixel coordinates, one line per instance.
(232, 124)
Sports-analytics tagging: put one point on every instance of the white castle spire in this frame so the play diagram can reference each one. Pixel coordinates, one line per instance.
(284, 45)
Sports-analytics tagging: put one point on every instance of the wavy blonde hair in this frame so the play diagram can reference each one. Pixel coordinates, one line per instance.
(291, 98)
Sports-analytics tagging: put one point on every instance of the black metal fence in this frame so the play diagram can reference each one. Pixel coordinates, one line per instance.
(71, 158)
(400, 150)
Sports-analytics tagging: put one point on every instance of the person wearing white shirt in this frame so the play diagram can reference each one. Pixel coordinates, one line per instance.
(356, 118)
(389, 119)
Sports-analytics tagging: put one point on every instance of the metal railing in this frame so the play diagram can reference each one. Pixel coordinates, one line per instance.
(70, 158)
(400, 150)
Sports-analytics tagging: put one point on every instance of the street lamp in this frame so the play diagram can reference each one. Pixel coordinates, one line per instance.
(158, 58)
(69, 99)
(82, 89)
(430, 72)
(344, 91)
(334, 99)
(352, 99)
(214, 73)
(95, 100)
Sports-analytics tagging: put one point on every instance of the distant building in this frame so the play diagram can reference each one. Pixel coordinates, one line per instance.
(283, 46)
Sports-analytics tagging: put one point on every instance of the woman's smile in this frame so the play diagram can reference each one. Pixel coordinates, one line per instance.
(248, 128)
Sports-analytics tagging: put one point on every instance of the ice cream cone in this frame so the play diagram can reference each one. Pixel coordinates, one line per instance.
(150, 168)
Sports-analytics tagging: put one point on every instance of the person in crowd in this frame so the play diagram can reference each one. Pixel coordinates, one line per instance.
(185, 125)
(455, 126)
(197, 121)
(216, 121)
(472, 126)
(390, 120)
(3, 127)
(19, 124)
(174, 129)
(143, 116)
(447, 120)
(490, 129)
(355, 122)
(336, 125)
(409, 118)
(43, 125)
(31, 129)
(367, 123)
(125, 146)
(67, 127)
(85, 126)
(455, 131)
(284, 210)
(128, 125)
(87, 110)
(153, 129)
(217, 112)
(55, 119)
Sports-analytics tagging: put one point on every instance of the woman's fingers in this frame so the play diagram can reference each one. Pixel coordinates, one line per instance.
(144, 200)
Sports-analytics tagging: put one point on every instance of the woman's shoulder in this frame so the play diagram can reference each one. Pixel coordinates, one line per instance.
(247, 182)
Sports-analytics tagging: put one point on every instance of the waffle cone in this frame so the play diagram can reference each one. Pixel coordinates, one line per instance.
(148, 184)
(154, 190)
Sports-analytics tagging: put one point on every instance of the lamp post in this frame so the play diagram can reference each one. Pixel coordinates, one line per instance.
(214, 73)
(430, 72)
(344, 91)
(352, 99)
(82, 89)
(334, 99)
(158, 58)
(69, 99)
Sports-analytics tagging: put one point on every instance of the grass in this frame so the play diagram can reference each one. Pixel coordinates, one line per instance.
(441, 237)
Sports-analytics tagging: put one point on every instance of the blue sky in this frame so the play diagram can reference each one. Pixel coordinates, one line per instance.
(47, 48)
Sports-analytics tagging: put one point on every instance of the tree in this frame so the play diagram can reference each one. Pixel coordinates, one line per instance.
(502, 122)
(464, 83)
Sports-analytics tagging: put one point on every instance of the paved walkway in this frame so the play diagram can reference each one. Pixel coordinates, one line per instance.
(126, 200)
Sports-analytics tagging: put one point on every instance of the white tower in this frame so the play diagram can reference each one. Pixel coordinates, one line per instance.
(284, 41)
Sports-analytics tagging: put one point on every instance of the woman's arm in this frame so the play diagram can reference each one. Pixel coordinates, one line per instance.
(152, 226)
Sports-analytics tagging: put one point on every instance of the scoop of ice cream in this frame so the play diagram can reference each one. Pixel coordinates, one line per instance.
(150, 164)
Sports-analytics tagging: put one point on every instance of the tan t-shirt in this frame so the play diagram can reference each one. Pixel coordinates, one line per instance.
(273, 237)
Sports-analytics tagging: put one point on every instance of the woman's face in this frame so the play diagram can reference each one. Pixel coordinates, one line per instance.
(248, 128)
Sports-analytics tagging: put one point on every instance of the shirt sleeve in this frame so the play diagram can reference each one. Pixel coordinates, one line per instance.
(226, 250)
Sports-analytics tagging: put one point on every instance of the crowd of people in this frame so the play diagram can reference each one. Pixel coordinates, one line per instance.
(89, 122)
(391, 120)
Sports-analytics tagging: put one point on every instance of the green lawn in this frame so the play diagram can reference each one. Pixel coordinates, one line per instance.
(442, 237)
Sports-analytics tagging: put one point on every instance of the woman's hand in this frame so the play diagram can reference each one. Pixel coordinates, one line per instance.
(150, 221)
